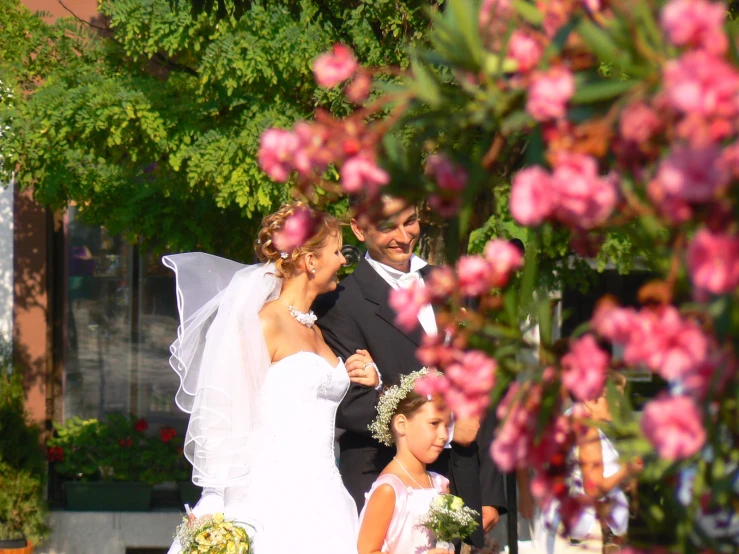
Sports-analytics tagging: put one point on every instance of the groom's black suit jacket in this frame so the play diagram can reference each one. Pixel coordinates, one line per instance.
(357, 315)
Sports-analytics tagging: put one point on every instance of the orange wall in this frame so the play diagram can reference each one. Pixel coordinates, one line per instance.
(84, 9)
(30, 300)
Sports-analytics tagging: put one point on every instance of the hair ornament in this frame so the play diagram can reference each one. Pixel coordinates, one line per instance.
(284, 255)
(259, 241)
(388, 405)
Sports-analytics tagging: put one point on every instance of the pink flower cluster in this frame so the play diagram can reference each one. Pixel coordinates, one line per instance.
(335, 67)
(585, 369)
(678, 349)
(451, 180)
(465, 384)
(639, 123)
(549, 92)
(310, 148)
(407, 302)
(673, 424)
(658, 338)
(696, 24)
(692, 175)
(516, 444)
(525, 50)
(298, 228)
(705, 88)
(713, 261)
(477, 274)
(573, 194)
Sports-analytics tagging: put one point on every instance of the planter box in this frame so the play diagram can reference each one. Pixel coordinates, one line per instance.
(108, 496)
(16, 547)
(189, 492)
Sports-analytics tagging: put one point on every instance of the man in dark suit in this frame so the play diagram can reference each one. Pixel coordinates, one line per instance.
(357, 316)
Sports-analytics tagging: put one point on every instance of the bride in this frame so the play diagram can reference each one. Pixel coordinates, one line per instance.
(262, 389)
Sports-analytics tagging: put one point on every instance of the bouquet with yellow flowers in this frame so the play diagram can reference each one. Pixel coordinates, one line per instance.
(212, 534)
(449, 519)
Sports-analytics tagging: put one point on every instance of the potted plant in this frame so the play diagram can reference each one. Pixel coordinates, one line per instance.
(177, 467)
(22, 471)
(110, 465)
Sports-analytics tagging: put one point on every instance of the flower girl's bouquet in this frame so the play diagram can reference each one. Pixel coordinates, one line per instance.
(212, 534)
(449, 519)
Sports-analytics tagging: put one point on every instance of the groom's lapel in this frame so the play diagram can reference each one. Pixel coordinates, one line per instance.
(376, 290)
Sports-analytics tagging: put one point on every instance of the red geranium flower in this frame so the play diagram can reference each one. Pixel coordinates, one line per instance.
(167, 433)
(125, 443)
(141, 425)
(55, 454)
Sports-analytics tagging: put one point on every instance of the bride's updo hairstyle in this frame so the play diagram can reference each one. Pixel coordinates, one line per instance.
(287, 266)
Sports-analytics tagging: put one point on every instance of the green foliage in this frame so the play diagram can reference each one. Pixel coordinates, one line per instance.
(22, 510)
(116, 449)
(20, 438)
(22, 467)
(152, 128)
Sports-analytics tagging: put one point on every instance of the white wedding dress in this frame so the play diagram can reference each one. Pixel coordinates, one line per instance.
(261, 435)
(294, 492)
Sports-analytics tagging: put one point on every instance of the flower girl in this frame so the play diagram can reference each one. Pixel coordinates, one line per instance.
(403, 493)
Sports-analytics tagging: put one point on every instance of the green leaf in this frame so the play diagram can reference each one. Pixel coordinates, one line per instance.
(599, 91)
(529, 12)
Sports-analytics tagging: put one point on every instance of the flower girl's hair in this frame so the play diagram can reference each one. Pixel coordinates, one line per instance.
(286, 263)
(397, 400)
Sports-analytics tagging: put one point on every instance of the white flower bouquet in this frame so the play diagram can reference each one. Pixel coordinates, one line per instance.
(449, 519)
(213, 534)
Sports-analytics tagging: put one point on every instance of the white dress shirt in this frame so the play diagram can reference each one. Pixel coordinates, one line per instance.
(400, 280)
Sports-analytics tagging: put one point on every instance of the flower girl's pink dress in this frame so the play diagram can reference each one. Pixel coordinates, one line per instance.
(405, 536)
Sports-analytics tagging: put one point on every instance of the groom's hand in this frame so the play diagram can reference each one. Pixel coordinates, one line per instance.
(362, 370)
(465, 431)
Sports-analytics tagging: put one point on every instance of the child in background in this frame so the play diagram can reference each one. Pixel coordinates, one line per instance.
(402, 494)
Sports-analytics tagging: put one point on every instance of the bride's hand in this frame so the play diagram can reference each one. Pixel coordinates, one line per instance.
(362, 370)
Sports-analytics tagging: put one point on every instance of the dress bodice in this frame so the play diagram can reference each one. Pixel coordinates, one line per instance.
(404, 535)
(298, 404)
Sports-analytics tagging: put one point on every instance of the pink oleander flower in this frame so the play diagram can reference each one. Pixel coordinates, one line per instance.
(276, 155)
(694, 174)
(431, 385)
(447, 175)
(584, 199)
(447, 206)
(712, 376)
(639, 123)
(361, 174)
(697, 24)
(474, 373)
(335, 67)
(585, 369)
(549, 93)
(503, 259)
(665, 342)
(493, 10)
(473, 275)
(532, 197)
(713, 261)
(701, 84)
(298, 228)
(676, 209)
(556, 14)
(525, 50)
(673, 424)
(359, 89)
(407, 302)
(433, 351)
(613, 322)
(441, 282)
(730, 159)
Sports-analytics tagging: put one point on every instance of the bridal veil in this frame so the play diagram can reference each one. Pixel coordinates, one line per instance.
(221, 359)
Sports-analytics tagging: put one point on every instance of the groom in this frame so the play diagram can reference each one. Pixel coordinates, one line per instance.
(357, 316)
